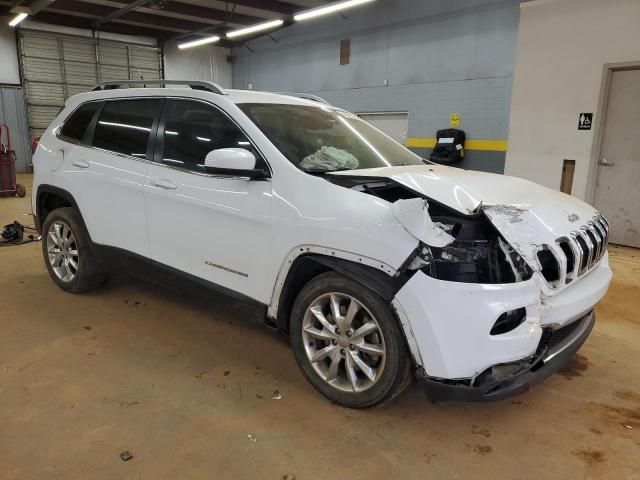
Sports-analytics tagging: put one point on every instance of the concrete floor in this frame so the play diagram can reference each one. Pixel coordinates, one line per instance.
(186, 384)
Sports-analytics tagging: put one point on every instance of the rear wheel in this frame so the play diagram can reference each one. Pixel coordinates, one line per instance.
(348, 343)
(68, 253)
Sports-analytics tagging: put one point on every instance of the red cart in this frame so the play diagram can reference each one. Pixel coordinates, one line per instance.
(8, 185)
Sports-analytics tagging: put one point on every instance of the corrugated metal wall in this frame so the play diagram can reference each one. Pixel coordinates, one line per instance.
(13, 114)
(56, 66)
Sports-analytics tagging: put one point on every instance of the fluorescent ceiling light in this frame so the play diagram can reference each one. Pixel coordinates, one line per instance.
(334, 7)
(255, 28)
(17, 19)
(196, 43)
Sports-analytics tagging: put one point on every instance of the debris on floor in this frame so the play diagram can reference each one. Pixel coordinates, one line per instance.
(134, 303)
(276, 395)
(252, 438)
(126, 456)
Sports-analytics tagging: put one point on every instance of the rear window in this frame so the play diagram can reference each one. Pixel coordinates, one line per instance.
(124, 126)
(76, 125)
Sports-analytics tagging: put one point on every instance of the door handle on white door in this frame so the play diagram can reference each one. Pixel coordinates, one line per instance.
(80, 163)
(163, 183)
(606, 163)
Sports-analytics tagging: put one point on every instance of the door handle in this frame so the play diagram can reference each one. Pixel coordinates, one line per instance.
(79, 163)
(606, 163)
(163, 183)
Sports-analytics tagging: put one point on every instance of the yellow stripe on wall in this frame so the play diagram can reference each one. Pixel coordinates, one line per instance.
(472, 144)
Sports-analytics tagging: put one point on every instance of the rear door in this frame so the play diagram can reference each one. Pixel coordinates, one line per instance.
(107, 173)
(211, 226)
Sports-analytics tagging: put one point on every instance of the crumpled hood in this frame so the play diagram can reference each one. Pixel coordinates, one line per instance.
(527, 214)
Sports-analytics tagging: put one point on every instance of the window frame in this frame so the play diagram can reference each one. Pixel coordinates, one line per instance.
(87, 139)
(155, 147)
(160, 147)
(88, 133)
(152, 133)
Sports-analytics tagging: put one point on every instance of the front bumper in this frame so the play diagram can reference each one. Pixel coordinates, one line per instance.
(448, 325)
(555, 349)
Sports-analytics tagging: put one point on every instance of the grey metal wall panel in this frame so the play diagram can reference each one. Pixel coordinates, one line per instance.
(56, 66)
(13, 114)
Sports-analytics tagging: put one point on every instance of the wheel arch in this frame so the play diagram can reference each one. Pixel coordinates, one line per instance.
(305, 263)
(49, 198)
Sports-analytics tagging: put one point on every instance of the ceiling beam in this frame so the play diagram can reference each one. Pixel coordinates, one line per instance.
(69, 7)
(120, 12)
(210, 13)
(275, 6)
(112, 27)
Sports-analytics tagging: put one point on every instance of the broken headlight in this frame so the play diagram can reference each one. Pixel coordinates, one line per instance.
(479, 254)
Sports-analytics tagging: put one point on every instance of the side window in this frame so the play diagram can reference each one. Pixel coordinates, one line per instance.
(76, 125)
(193, 129)
(124, 126)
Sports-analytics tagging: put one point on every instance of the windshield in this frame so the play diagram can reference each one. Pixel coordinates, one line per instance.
(320, 139)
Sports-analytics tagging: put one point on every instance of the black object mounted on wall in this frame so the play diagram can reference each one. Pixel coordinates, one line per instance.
(449, 146)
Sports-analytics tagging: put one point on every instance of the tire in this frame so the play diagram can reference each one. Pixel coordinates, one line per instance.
(382, 368)
(69, 255)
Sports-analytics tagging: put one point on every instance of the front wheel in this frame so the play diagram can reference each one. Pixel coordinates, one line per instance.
(348, 343)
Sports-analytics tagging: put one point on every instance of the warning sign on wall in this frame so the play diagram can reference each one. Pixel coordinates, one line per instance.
(584, 121)
(455, 120)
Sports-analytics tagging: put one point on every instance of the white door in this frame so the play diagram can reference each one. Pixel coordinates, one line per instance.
(108, 178)
(214, 227)
(617, 195)
(394, 124)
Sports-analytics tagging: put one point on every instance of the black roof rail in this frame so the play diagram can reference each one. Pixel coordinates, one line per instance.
(306, 96)
(194, 84)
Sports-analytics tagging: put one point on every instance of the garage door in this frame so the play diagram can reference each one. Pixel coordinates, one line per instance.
(56, 66)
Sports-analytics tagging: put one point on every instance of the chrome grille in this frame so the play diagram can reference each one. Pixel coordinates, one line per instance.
(579, 252)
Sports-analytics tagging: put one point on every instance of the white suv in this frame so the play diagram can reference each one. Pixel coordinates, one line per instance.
(377, 263)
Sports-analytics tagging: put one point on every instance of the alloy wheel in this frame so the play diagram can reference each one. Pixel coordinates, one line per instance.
(344, 342)
(62, 249)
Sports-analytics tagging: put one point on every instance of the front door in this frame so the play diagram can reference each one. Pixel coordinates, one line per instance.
(617, 194)
(214, 227)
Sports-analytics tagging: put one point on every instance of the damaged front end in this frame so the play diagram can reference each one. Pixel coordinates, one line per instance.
(459, 248)
(453, 246)
(488, 300)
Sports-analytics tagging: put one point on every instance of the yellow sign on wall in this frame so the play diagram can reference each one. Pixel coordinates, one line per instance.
(455, 120)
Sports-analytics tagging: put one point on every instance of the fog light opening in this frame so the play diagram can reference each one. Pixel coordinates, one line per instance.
(509, 321)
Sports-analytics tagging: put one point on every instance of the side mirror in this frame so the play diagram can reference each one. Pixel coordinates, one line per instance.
(233, 161)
